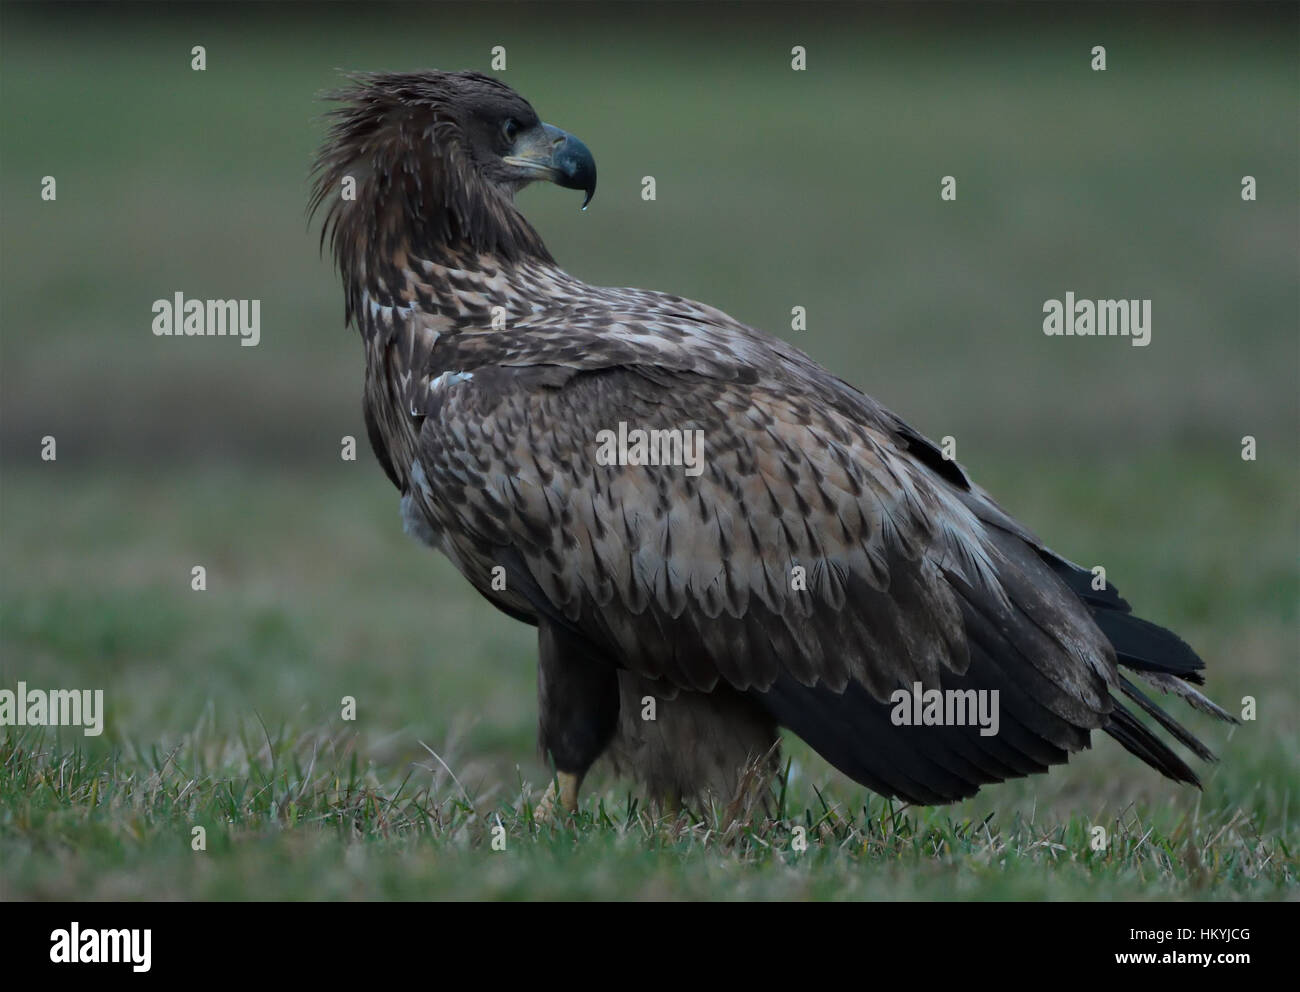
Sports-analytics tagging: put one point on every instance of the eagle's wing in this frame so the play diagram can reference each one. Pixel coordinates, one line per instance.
(823, 558)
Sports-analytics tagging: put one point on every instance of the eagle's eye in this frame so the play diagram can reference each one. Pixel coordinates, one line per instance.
(509, 129)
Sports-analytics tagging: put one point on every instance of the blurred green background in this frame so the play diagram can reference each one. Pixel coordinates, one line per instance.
(775, 188)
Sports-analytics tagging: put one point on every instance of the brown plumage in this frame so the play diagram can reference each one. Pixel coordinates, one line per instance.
(824, 557)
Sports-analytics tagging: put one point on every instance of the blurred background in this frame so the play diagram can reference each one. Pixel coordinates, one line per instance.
(775, 188)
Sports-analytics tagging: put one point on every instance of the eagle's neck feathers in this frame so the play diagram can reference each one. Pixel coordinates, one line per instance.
(410, 220)
(453, 291)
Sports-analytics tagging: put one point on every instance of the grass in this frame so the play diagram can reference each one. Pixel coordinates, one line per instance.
(223, 711)
(303, 809)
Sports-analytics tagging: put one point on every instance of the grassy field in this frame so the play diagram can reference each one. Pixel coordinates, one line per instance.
(775, 189)
(224, 712)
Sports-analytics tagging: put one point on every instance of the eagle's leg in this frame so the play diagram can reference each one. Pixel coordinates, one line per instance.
(569, 790)
(577, 708)
(567, 795)
(670, 805)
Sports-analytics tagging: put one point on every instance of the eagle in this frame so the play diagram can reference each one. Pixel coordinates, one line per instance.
(798, 559)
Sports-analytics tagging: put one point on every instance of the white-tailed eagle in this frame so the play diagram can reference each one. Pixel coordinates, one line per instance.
(820, 558)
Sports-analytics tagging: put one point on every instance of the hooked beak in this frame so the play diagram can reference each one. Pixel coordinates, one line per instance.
(546, 152)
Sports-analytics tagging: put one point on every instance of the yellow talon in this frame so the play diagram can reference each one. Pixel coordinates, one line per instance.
(544, 811)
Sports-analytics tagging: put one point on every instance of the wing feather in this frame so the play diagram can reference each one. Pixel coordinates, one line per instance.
(824, 556)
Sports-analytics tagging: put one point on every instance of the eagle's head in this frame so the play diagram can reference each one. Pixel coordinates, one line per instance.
(429, 162)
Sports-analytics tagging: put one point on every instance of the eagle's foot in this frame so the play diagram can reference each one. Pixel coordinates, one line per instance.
(545, 811)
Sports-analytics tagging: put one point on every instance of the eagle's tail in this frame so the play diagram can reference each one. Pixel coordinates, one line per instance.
(1157, 656)
(1040, 720)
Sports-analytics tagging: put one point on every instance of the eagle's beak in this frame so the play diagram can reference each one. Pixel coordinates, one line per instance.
(548, 153)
